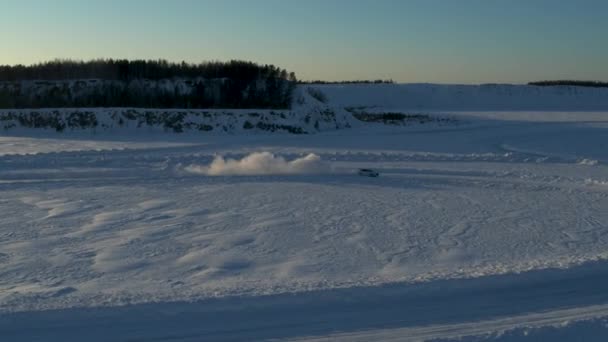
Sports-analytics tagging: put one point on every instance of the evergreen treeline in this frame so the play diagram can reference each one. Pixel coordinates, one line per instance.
(126, 70)
(348, 82)
(148, 84)
(593, 84)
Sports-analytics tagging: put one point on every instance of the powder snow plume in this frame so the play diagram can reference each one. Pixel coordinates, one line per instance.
(262, 163)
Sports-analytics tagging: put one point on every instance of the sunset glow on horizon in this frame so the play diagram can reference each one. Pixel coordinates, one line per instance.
(469, 41)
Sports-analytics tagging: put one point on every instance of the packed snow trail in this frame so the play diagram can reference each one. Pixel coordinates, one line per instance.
(441, 309)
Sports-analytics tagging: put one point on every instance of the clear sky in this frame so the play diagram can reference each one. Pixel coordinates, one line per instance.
(444, 41)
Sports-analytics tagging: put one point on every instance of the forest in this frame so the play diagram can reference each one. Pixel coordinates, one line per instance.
(145, 84)
(593, 84)
(379, 81)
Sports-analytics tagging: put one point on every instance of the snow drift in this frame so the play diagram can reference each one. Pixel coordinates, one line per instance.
(262, 163)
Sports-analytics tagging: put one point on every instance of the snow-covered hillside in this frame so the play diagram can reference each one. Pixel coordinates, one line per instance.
(307, 116)
(318, 108)
(495, 228)
(142, 121)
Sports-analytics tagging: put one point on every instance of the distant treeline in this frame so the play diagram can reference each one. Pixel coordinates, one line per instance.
(145, 83)
(348, 82)
(594, 84)
(127, 70)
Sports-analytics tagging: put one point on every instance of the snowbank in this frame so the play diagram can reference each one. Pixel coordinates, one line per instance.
(301, 120)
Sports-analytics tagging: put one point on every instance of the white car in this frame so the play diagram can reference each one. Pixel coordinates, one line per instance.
(368, 173)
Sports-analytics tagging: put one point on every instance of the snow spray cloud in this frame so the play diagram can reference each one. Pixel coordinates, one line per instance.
(262, 163)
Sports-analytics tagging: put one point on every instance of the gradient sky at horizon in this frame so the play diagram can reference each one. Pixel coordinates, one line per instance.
(442, 41)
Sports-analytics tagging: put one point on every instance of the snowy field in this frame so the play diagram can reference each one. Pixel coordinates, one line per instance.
(492, 229)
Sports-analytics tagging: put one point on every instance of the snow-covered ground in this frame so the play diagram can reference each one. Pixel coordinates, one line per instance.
(486, 97)
(492, 229)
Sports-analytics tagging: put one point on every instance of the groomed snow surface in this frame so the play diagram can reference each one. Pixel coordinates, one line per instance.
(493, 229)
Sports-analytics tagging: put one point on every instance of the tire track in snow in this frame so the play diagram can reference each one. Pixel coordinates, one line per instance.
(396, 312)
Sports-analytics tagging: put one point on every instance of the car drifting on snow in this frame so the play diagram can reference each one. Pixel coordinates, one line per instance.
(368, 173)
